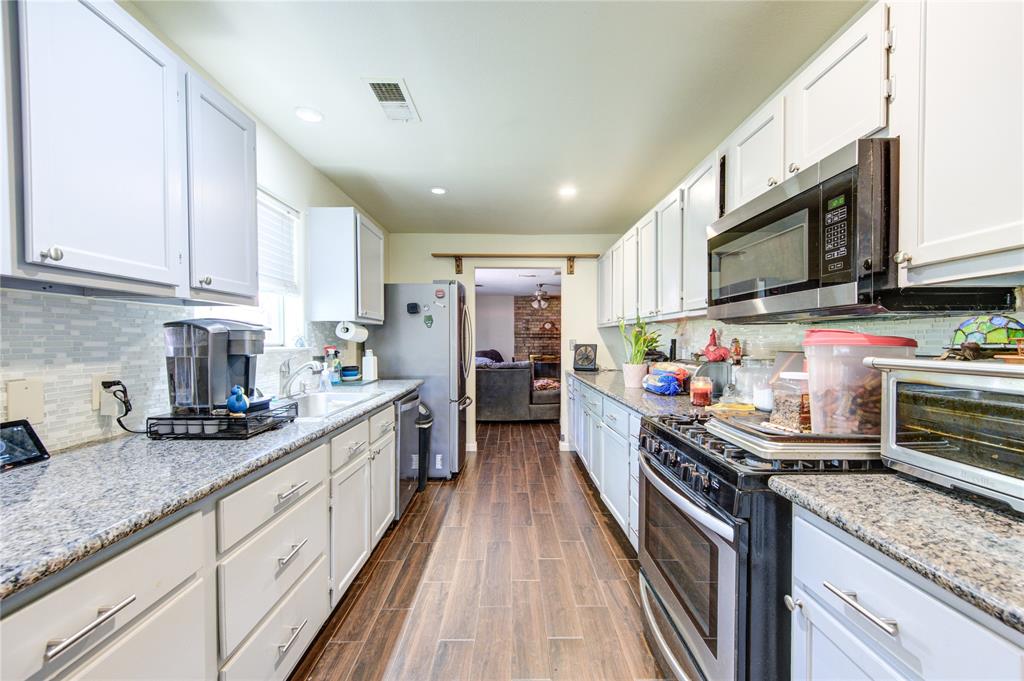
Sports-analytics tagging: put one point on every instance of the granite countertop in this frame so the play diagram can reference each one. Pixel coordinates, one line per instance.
(62, 510)
(970, 549)
(647, 403)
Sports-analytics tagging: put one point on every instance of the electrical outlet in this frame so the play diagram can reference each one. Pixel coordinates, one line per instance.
(97, 389)
(110, 405)
(437, 461)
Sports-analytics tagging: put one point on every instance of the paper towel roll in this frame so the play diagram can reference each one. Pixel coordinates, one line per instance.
(351, 332)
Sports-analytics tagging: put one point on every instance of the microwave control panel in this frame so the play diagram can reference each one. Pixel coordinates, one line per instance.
(836, 239)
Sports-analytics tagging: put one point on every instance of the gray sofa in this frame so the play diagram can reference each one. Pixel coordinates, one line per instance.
(504, 392)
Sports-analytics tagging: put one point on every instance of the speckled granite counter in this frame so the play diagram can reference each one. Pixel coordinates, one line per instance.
(611, 384)
(973, 551)
(60, 511)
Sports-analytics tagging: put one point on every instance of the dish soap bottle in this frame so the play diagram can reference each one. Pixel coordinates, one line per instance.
(369, 366)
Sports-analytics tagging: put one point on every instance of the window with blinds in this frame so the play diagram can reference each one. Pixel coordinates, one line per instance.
(278, 226)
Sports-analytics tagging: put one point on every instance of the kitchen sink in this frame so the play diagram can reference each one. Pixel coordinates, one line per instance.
(314, 406)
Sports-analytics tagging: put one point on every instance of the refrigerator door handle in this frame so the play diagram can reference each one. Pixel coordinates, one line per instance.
(468, 348)
(464, 402)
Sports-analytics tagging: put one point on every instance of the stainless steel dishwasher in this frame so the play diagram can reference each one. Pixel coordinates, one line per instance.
(407, 476)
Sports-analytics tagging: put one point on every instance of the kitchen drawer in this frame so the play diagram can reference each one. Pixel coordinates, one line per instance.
(248, 508)
(146, 573)
(350, 443)
(616, 417)
(634, 465)
(382, 423)
(295, 620)
(930, 636)
(168, 644)
(634, 426)
(254, 577)
(593, 401)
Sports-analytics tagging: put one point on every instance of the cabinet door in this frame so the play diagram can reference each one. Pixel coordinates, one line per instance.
(604, 289)
(841, 96)
(755, 155)
(370, 287)
(350, 523)
(669, 251)
(629, 276)
(615, 476)
(596, 450)
(170, 643)
(103, 140)
(383, 488)
(221, 193)
(961, 176)
(700, 209)
(647, 240)
(617, 283)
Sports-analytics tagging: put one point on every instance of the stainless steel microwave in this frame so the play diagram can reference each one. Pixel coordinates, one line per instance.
(822, 245)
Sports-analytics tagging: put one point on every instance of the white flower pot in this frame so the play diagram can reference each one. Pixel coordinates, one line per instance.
(633, 375)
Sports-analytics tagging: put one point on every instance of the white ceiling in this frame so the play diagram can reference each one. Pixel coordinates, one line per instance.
(517, 98)
(517, 281)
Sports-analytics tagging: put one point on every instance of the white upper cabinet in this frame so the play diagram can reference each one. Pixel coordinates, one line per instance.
(754, 155)
(345, 261)
(841, 96)
(370, 287)
(221, 192)
(604, 289)
(700, 209)
(616, 282)
(630, 256)
(647, 242)
(958, 110)
(669, 250)
(104, 153)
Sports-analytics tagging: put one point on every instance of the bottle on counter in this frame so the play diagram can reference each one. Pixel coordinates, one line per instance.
(369, 366)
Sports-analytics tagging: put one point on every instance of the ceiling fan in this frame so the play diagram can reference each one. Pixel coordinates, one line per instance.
(540, 298)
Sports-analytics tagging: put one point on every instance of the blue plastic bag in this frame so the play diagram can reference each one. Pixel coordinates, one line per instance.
(661, 384)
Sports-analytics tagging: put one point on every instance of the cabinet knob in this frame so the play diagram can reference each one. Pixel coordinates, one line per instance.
(54, 253)
(901, 257)
(792, 604)
(772, 182)
(794, 168)
(206, 281)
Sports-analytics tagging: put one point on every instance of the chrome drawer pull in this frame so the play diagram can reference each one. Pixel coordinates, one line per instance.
(282, 496)
(611, 417)
(850, 598)
(295, 550)
(58, 646)
(356, 446)
(283, 648)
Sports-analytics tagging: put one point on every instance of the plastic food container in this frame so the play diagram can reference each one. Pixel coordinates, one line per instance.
(790, 405)
(846, 396)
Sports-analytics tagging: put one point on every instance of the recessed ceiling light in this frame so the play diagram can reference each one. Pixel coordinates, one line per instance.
(309, 115)
(567, 191)
(438, 190)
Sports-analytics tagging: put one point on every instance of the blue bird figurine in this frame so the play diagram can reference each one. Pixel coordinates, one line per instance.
(237, 401)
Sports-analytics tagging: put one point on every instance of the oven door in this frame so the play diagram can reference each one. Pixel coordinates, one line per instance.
(689, 555)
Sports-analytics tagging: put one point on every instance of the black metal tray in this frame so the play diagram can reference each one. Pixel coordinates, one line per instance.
(220, 426)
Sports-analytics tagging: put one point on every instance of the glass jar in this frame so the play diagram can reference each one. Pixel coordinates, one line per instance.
(700, 391)
(752, 371)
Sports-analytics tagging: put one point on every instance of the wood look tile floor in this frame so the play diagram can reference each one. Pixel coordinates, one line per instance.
(514, 570)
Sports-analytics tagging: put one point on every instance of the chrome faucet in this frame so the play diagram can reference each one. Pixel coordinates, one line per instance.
(288, 376)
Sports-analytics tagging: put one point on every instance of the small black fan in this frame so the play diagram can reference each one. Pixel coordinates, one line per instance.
(585, 357)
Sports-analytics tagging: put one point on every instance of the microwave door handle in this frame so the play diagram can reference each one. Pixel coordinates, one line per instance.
(691, 510)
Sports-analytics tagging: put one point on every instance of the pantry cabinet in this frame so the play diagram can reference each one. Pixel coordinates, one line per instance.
(345, 261)
(959, 123)
(649, 265)
(841, 96)
(754, 154)
(103, 144)
(700, 209)
(630, 292)
(669, 254)
(221, 193)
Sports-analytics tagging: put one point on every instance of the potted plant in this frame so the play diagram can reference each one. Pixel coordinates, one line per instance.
(637, 341)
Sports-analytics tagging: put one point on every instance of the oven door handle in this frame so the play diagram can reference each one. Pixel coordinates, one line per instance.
(691, 510)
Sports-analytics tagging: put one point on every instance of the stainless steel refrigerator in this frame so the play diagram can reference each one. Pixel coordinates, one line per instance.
(428, 334)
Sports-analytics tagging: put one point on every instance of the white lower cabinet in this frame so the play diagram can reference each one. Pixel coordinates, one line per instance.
(596, 450)
(279, 643)
(615, 475)
(350, 523)
(382, 486)
(917, 635)
(168, 644)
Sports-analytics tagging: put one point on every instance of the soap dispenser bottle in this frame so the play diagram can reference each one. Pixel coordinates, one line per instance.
(369, 366)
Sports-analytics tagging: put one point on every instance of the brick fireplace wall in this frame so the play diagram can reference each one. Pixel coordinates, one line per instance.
(531, 338)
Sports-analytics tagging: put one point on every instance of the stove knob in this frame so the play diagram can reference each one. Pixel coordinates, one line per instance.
(701, 481)
(685, 470)
(671, 458)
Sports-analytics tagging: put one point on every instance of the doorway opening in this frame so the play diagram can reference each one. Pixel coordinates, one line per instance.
(518, 341)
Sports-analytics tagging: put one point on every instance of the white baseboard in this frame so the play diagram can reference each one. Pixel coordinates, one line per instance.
(471, 446)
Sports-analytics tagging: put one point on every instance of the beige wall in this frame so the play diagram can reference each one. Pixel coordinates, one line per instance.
(411, 262)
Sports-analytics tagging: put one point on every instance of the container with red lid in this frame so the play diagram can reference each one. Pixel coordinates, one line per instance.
(846, 396)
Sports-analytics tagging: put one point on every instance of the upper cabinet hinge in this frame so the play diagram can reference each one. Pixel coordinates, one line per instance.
(890, 39)
(890, 87)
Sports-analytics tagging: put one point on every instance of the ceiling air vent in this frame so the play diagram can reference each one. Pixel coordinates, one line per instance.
(393, 96)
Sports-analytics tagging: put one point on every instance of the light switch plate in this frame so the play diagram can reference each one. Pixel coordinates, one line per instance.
(25, 400)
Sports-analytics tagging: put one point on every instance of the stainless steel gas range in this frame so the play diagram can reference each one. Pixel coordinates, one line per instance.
(715, 541)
